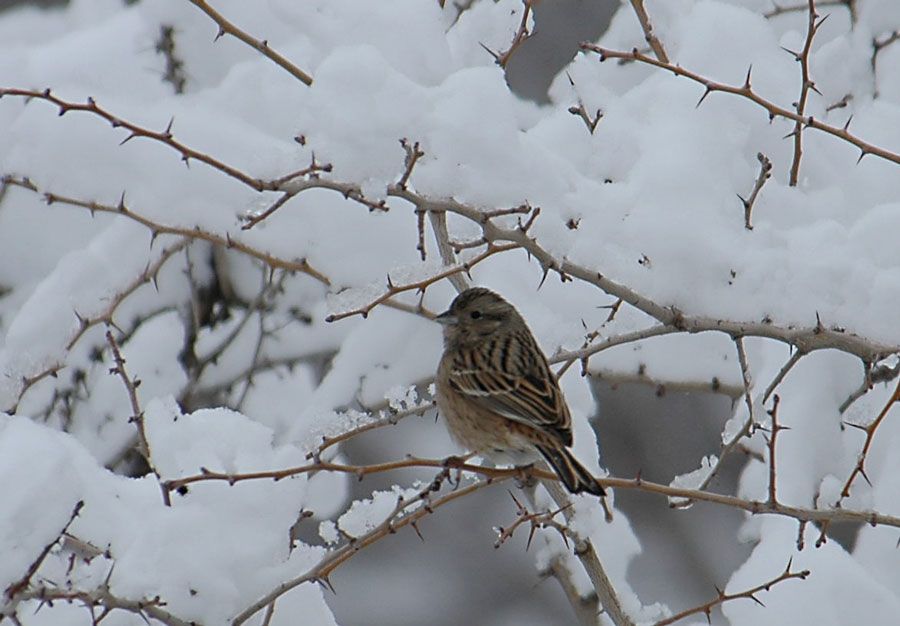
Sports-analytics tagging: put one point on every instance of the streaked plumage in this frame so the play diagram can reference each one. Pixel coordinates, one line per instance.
(498, 394)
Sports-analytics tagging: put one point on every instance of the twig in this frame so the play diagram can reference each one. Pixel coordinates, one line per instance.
(581, 111)
(773, 434)
(570, 357)
(787, 367)
(871, 377)
(585, 552)
(765, 173)
(157, 228)
(101, 597)
(647, 27)
(781, 10)
(390, 419)
(137, 414)
(102, 317)
(840, 104)
(722, 597)
(745, 430)
(877, 46)
(14, 590)
(521, 36)
(165, 45)
(422, 285)
(806, 84)
(413, 154)
(535, 520)
(755, 507)
(312, 171)
(134, 131)
(226, 27)
(860, 469)
(745, 91)
(398, 518)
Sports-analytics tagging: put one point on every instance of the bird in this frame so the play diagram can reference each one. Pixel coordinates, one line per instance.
(497, 393)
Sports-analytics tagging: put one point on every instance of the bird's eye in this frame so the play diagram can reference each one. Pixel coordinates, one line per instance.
(475, 315)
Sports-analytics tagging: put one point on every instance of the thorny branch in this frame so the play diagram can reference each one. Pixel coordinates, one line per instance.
(647, 27)
(15, 590)
(158, 228)
(860, 468)
(746, 91)
(806, 84)
(755, 507)
(535, 520)
(104, 316)
(774, 428)
(262, 46)
(722, 597)
(521, 36)
(135, 131)
(137, 414)
(421, 285)
(406, 513)
(778, 9)
(102, 598)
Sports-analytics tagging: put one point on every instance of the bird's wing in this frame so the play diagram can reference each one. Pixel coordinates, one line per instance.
(519, 387)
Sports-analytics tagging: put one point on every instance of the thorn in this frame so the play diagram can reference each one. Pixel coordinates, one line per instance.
(219, 34)
(862, 472)
(326, 583)
(490, 52)
(847, 123)
(415, 527)
(747, 80)
(544, 277)
(703, 97)
(757, 600)
(796, 55)
(121, 206)
(862, 153)
(168, 131)
(531, 536)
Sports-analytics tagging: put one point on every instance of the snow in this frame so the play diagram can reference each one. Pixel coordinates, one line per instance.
(652, 194)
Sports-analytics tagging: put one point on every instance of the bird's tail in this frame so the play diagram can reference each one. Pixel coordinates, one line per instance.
(572, 473)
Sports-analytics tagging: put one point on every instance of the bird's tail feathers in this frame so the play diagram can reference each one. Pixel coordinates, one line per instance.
(572, 473)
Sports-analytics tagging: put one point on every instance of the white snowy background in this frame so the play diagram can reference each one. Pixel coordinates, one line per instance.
(240, 371)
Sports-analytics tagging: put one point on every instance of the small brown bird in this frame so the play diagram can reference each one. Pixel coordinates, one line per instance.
(498, 394)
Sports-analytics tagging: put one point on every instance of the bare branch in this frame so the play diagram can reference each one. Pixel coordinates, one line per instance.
(226, 27)
(15, 590)
(860, 469)
(806, 83)
(137, 414)
(134, 131)
(647, 27)
(405, 513)
(158, 228)
(794, 8)
(765, 173)
(521, 36)
(422, 285)
(745, 91)
(877, 46)
(722, 597)
(774, 428)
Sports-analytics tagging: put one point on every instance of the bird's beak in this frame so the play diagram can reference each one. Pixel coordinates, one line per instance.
(447, 319)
